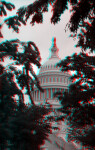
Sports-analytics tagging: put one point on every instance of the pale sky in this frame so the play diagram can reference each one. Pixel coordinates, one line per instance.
(42, 34)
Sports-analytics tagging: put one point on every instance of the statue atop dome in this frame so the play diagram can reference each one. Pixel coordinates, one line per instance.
(54, 41)
(54, 49)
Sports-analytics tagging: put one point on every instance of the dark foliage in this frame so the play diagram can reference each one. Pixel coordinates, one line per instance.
(29, 128)
(79, 103)
(37, 18)
(82, 18)
(8, 6)
(87, 36)
(8, 105)
(1, 36)
(22, 127)
(28, 56)
(15, 22)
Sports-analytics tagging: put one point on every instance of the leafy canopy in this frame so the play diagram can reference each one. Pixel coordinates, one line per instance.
(79, 103)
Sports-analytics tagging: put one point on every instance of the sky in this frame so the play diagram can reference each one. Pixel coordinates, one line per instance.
(42, 34)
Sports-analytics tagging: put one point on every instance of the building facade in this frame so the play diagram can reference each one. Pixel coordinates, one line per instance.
(51, 78)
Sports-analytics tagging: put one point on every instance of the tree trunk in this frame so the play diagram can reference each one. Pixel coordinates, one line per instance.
(28, 88)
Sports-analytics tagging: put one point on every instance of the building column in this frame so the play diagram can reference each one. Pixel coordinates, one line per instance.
(51, 94)
(47, 93)
(43, 95)
(40, 95)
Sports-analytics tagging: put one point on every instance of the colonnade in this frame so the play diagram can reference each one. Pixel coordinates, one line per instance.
(47, 94)
(53, 80)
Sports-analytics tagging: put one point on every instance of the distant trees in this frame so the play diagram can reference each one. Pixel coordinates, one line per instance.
(22, 127)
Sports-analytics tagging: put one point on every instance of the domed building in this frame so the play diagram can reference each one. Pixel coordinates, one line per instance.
(51, 78)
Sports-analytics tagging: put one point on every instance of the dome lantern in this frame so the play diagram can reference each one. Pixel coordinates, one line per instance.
(50, 64)
(54, 49)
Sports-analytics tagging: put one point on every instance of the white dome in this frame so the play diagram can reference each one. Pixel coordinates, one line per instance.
(50, 77)
(50, 64)
(51, 61)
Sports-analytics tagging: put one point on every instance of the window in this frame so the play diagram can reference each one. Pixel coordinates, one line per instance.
(47, 93)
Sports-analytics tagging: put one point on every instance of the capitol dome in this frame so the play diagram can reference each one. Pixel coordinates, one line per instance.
(50, 77)
(50, 64)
